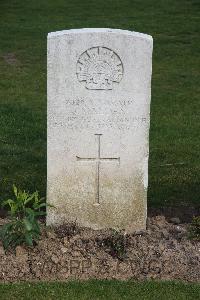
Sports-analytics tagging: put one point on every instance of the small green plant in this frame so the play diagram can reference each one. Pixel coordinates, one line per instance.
(116, 244)
(194, 229)
(24, 211)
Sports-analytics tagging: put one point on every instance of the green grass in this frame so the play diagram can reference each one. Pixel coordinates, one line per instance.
(95, 290)
(175, 123)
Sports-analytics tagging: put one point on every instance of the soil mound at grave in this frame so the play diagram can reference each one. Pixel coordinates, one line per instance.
(162, 252)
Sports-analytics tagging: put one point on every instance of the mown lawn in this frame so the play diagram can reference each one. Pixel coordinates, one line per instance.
(174, 166)
(95, 290)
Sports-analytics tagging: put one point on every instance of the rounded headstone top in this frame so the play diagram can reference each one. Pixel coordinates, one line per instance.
(100, 30)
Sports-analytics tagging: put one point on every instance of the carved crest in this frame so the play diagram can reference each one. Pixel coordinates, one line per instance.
(99, 67)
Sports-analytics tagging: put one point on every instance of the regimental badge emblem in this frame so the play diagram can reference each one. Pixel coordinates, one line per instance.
(99, 68)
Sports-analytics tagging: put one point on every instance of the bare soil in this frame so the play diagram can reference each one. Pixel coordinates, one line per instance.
(162, 252)
(10, 58)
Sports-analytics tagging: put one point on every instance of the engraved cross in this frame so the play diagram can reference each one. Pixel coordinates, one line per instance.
(98, 161)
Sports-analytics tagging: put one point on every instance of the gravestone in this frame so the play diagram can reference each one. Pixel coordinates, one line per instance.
(99, 90)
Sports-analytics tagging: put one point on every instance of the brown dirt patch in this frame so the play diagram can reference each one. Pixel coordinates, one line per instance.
(68, 252)
(11, 59)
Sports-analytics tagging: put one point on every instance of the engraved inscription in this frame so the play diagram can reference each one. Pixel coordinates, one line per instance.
(99, 68)
(98, 161)
(80, 101)
(99, 115)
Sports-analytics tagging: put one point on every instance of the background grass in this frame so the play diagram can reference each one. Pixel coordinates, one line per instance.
(175, 123)
(90, 290)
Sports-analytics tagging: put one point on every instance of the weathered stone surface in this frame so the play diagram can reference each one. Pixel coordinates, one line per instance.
(99, 84)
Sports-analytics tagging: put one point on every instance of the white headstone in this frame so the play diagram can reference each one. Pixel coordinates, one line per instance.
(99, 90)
